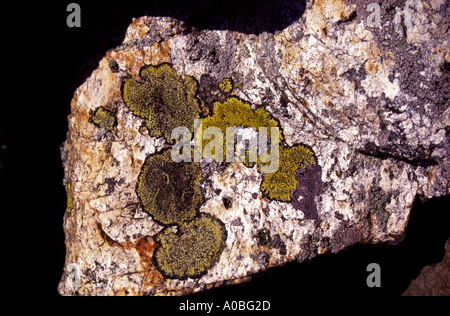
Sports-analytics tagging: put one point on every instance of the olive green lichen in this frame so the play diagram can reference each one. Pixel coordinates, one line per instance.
(169, 191)
(103, 118)
(193, 249)
(163, 99)
(226, 85)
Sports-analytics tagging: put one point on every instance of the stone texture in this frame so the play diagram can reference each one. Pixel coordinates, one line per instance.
(371, 102)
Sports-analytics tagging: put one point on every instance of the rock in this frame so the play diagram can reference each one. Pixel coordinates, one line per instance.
(364, 109)
(433, 280)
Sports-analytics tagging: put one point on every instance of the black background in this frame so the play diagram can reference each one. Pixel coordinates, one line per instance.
(47, 61)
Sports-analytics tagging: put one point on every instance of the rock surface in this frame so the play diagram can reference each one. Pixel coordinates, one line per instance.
(371, 102)
(433, 280)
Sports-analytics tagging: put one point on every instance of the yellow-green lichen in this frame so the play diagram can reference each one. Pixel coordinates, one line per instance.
(168, 190)
(103, 118)
(276, 185)
(279, 185)
(235, 112)
(192, 242)
(163, 99)
(69, 197)
(226, 85)
(192, 249)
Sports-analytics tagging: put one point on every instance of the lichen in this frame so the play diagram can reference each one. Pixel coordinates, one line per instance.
(280, 184)
(379, 199)
(169, 191)
(163, 99)
(193, 249)
(276, 185)
(226, 85)
(69, 197)
(235, 112)
(263, 236)
(103, 118)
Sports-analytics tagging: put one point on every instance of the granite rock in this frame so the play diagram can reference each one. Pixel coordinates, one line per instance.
(370, 101)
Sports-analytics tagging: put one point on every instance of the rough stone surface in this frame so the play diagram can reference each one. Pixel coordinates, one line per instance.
(370, 102)
(433, 280)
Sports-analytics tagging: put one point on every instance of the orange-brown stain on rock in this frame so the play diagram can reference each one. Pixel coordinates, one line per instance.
(204, 108)
(372, 65)
(325, 12)
(135, 59)
(153, 278)
(142, 25)
(304, 102)
(145, 248)
(160, 53)
(74, 101)
(431, 174)
(79, 115)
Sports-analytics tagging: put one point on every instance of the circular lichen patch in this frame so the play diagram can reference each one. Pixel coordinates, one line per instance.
(168, 190)
(192, 250)
(163, 99)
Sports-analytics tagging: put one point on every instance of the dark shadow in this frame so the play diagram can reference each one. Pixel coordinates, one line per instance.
(104, 24)
(334, 275)
(62, 58)
(57, 60)
(246, 16)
